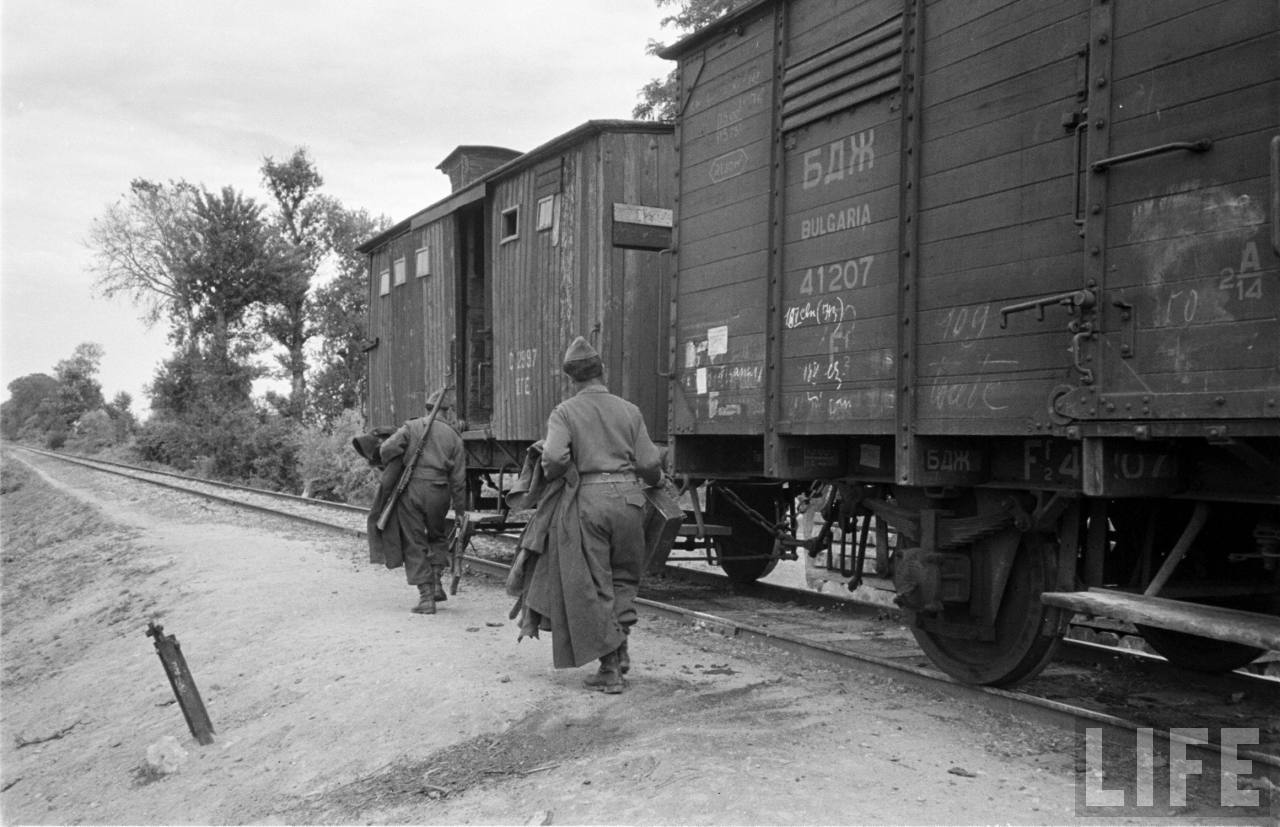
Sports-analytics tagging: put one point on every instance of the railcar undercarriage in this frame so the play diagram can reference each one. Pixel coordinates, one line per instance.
(989, 579)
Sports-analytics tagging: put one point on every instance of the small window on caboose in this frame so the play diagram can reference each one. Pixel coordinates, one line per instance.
(423, 262)
(399, 269)
(546, 212)
(384, 281)
(510, 224)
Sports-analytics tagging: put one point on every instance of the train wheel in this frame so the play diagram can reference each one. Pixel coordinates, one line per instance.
(743, 555)
(1022, 646)
(1201, 654)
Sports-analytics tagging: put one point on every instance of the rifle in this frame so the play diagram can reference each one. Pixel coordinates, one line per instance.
(458, 539)
(407, 473)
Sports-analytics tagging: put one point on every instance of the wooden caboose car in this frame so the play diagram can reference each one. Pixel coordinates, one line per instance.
(1003, 277)
(483, 290)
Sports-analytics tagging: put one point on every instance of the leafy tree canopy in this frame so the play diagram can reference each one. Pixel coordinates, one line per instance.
(658, 98)
(40, 405)
(29, 406)
(136, 245)
(341, 309)
(226, 262)
(301, 222)
(78, 388)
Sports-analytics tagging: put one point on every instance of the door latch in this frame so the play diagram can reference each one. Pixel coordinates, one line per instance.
(1073, 301)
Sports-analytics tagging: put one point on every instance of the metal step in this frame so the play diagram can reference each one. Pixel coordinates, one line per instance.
(1262, 631)
(707, 530)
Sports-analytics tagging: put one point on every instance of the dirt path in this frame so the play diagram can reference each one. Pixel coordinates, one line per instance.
(333, 704)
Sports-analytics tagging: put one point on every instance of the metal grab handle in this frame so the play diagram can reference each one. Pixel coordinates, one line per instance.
(1077, 212)
(1081, 333)
(1202, 145)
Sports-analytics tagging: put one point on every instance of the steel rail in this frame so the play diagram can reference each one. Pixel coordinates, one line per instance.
(281, 495)
(104, 468)
(1012, 702)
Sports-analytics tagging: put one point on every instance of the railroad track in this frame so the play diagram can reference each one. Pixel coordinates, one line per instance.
(340, 516)
(1086, 685)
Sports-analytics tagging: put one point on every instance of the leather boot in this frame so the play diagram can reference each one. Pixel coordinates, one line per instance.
(608, 679)
(437, 581)
(426, 599)
(624, 659)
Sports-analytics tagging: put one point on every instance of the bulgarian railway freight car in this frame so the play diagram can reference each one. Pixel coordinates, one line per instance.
(1001, 278)
(483, 290)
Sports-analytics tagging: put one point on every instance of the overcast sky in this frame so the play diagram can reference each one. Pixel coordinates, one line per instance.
(99, 92)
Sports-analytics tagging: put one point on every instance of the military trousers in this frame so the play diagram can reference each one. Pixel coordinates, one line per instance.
(612, 516)
(423, 511)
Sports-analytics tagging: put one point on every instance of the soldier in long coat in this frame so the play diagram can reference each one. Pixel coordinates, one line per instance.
(589, 576)
(439, 480)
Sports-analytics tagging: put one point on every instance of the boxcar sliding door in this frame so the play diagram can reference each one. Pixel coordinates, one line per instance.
(1180, 208)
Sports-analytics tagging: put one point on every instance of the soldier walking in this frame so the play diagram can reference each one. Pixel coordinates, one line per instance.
(587, 581)
(439, 480)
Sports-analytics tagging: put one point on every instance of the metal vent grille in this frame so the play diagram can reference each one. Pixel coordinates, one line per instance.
(866, 67)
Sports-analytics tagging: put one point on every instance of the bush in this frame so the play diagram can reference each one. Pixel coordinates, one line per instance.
(239, 445)
(93, 432)
(168, 442)
(330, 468)
(271, 453)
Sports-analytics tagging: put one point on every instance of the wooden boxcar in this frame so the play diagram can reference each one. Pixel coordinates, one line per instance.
(483, 290)
(1003, 275)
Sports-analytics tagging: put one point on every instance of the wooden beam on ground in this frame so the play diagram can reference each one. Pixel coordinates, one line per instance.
(1248, 628)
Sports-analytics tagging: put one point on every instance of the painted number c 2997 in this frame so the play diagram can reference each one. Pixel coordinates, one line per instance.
(521, 364)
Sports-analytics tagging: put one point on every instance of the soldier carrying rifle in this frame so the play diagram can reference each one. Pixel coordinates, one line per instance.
(436, 464)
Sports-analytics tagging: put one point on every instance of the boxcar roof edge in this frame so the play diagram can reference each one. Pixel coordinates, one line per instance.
(468, 194)
(712, 29)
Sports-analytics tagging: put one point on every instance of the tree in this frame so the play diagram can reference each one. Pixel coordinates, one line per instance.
(200, 259)
(135, 245)
(43, 407)
(341, 308)
(203, 418)
(215, 265)
(203, 415)
(93, 432)
(119, 409)
(79, 391)
(294, 186)
(226, 264)
(30, 405)
(659, 97)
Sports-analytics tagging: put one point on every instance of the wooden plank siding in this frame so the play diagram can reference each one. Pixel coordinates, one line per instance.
(840, 217)
(725, 170)
(406, 366)
(921, 218)
(1187, 232)
(498, 318)
(569, 280)
(997, 201)
(526, 283)
(840, 271)
(995, 218)
(641, 171)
